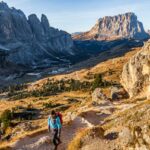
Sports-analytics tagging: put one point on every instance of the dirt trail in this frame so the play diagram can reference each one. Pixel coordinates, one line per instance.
(89, 118)
(39, 142)
(68, 132)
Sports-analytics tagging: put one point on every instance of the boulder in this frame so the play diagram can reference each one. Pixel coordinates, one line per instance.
(136, 73)
(125, 137)
(114, 93)
(98, 97)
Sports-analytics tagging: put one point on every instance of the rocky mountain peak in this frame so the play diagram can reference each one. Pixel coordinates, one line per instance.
(31, 42)
(113, 27)
(45, 22)
(39, 27)
(130, 14)
(34, 18)
(3, 6)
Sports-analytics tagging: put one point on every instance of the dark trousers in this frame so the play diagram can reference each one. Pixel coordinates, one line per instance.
(56, 139)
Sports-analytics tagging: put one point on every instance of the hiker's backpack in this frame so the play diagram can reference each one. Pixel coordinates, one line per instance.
(60, 117)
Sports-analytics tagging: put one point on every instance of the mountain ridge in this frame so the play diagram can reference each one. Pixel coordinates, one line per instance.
(32, 41)
(113, 27)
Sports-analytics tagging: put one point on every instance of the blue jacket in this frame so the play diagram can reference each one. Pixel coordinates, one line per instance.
(54, 124)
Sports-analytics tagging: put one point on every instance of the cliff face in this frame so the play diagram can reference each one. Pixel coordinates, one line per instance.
(136, 73)
(148, 32)
(3, 55)
(121, 26)
(32, 42)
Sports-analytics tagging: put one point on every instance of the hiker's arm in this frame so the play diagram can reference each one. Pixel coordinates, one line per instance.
(49, 127)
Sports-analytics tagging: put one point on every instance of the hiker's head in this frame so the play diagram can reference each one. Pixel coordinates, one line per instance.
(53, 114)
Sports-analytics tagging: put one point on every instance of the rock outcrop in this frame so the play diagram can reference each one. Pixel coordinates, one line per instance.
(98, 97)
(136, 73)
(134, 138)
(121, 26)
(32, 42)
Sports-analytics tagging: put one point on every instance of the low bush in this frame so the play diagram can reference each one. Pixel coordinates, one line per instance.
(100, 82)
(5, 119)
(52, 87)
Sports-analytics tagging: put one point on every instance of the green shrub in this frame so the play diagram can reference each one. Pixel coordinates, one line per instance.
(6, 118)
(52, 87)
(100, 82)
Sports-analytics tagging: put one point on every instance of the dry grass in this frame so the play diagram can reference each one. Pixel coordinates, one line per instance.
(5, 145)
(38, 104)
(114, 65)
(5, 148)
(111, 69)
(137, 115)
(83, 135)
(76, 143)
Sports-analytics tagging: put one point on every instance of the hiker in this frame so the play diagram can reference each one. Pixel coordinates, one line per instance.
(54, 125)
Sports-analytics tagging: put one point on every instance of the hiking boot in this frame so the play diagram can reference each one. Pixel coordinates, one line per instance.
(60, 142)
(55, 147)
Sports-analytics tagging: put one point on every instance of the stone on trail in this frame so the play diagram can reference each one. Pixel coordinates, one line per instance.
(98, 97)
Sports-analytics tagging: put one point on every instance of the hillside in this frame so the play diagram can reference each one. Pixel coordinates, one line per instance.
(88, 54)
(109, 122)
(127, 128)
(70, 103)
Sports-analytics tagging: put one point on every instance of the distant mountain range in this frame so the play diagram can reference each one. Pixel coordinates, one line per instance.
(32, 43)
(120, 26)
(76, 33)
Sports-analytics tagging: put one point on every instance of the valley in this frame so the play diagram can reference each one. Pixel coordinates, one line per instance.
(70, 103)
(98, 80)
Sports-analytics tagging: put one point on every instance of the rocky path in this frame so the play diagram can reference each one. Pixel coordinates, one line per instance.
(91, 117)
(40, 142)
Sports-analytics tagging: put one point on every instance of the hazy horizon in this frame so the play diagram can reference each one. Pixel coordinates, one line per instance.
(80, 15)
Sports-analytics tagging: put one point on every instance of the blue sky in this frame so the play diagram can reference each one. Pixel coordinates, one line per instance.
(81, 15)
